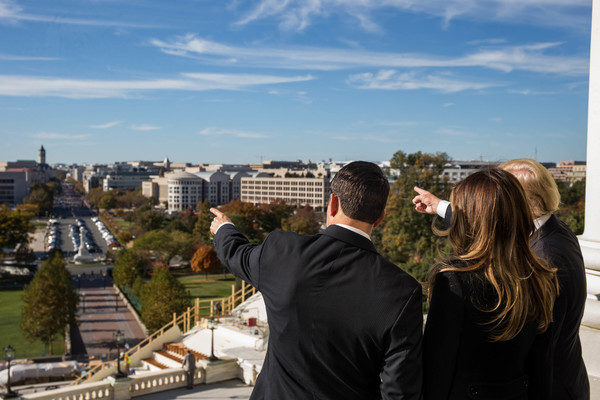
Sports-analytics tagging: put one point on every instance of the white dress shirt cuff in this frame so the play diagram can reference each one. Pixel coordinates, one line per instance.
(442, 207)
(224, 223)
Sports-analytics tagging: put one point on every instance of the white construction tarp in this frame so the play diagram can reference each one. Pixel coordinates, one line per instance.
(21, 372)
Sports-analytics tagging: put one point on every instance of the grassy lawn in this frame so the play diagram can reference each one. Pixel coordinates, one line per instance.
(217, 285)
(122, 224)
(39, 224)
(10, 316)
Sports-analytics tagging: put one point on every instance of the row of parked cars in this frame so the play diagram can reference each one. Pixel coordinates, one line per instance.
(79, 229)
(110, 239)
(53, 235)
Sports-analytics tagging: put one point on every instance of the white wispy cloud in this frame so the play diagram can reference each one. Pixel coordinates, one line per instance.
(533, 57)
(212, 131)
(106, 125)
(297, 15)
(393, 80)
(452, 132)
(448, 104)
(528, 92)
(60, 136)
(11, 12)
(37, 86)
(145, 127)
(12, 57)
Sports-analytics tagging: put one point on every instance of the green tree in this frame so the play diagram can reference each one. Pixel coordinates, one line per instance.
(108, 201)
(405, 236)
(49, 302)
(42, 196)
(14, 227)
(271, 215)
(203, 221)
(205, 260)
(304, 222)
(166, 244)
(128, 266)
(163, 296)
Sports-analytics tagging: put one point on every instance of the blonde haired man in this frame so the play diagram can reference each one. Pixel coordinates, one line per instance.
(556, 243)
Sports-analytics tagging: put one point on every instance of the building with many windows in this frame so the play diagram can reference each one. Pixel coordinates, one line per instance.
(294, 191)
(185, 190)
(125, 180)
(14, 187)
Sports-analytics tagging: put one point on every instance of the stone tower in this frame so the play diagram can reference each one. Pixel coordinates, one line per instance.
(42, 156)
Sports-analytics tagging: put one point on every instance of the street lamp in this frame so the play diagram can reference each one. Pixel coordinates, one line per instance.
(212, 325)
(9, 355)
(118, 337)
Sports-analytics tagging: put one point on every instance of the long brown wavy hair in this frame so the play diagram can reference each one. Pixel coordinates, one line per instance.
(490, 232)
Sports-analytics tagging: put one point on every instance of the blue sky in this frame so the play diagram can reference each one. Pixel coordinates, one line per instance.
(237, 80)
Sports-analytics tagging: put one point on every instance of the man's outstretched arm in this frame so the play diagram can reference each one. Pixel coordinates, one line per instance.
(241, 257)
(427, 203)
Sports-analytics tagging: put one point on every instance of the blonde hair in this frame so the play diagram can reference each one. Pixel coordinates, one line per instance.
(490, 232)
(541, 190)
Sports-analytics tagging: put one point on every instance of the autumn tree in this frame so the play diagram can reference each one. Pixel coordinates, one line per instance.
(49, 303)
(246, 218)
(14, 227)
(304, 221)
(163, 296)
(205, 260)
(405, 236)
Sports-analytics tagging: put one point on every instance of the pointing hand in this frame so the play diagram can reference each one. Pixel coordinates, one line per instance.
(425, 202)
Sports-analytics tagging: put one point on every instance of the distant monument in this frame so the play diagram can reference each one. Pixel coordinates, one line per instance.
(83, 255)
(42, 156)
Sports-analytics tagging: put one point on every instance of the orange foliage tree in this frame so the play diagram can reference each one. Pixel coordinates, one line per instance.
(205, 260)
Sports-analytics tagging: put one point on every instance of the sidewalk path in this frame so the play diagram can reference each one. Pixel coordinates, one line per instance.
(101, 313)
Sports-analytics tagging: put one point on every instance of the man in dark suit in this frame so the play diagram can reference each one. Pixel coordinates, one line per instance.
(344, 322)
(557, 244)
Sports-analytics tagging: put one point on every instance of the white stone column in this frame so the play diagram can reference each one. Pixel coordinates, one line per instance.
(590, 240)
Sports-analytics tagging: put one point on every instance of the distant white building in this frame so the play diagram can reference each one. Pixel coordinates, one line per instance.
(124, 180)
(185, 190)
(216, 187)
(296, 191)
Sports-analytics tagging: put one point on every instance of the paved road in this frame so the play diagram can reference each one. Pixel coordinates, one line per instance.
(101, 313)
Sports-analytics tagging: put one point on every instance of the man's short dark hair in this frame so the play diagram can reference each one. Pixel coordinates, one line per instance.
(363, 189)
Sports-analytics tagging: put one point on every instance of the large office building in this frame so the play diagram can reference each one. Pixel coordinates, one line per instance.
(14, 187)
(125, 180)
(296, 191)
(569, 171)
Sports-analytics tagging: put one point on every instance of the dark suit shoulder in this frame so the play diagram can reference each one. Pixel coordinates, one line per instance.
(391, 270)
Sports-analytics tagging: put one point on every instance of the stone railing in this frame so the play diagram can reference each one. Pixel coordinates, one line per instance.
(133, 386)
(94, 390)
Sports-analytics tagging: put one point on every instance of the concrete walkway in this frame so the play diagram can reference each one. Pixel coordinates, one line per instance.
(233, 389)
(101, 313)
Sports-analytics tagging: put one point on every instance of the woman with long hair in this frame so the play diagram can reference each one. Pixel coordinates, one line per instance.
(487, 332)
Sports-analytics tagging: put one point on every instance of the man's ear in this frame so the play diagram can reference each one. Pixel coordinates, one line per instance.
(379, 219)
(334, 205)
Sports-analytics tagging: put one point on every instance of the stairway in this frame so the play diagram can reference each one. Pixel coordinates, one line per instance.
(170, 356)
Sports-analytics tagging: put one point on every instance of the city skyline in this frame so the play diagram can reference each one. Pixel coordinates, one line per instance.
(104, 81)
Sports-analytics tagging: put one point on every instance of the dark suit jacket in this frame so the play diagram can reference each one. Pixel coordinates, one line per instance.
(460, 360)
(556, 243)
(344, 322)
